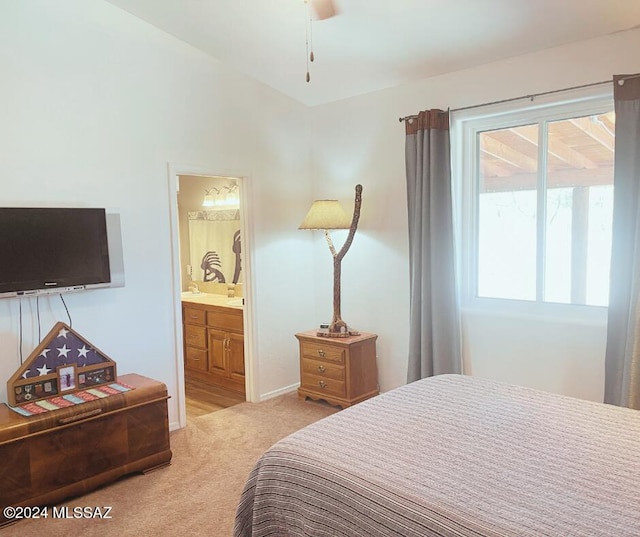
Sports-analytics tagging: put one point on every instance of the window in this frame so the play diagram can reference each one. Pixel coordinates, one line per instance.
(538, 202)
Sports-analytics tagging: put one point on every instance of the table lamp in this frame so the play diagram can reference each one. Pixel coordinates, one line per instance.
(326, 215)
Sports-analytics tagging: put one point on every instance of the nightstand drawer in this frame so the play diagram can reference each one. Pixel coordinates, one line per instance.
(196, 359)
(323, 369)
(318, 351)
(323, 385)
(195, 336)
(194, 316)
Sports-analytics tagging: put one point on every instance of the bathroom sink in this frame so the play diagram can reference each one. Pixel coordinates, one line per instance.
(236, 301)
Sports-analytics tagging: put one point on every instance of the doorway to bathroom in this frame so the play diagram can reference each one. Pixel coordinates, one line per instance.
(212, 291)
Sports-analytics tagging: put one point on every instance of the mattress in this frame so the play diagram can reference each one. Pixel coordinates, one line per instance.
(452, 455)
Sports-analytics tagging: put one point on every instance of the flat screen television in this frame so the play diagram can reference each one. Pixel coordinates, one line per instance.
(45, 250)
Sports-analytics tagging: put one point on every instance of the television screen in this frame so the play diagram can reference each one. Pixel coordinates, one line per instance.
(52, 249)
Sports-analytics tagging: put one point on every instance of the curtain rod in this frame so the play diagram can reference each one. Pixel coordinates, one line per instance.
(532, 96)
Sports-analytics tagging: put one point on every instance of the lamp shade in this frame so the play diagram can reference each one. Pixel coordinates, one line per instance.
(326, 214)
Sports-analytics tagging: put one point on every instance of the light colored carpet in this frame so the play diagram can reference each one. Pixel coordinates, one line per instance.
(198, 493)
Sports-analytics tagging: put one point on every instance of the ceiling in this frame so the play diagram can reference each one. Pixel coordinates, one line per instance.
(376, 44)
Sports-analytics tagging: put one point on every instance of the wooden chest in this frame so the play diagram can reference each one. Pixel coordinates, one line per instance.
(56, 455)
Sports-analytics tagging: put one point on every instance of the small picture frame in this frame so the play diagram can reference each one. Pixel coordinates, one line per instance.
(67, 377)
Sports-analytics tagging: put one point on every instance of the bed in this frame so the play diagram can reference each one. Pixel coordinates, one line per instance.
(452, 455)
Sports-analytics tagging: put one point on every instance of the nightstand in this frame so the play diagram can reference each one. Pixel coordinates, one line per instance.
(341, 371)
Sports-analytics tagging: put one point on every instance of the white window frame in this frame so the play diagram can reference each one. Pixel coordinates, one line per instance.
(465, 126)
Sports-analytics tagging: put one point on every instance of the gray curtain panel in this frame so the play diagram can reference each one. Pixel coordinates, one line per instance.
(434, 335)
(622, 361)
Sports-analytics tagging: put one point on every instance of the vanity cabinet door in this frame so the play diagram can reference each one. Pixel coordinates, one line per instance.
(236, 356)
(217, 351)
(226, 358)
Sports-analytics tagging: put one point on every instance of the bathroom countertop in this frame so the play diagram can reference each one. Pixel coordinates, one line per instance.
(212, 300)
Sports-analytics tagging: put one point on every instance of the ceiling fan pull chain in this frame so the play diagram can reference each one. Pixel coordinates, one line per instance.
(307, 24)
(311, 56)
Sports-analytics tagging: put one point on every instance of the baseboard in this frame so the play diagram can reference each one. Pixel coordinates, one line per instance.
(281, 391)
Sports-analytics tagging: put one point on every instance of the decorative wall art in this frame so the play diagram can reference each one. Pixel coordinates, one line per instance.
(64, 363)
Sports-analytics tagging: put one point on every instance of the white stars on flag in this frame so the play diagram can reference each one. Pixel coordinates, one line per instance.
(82, 355)
(43, 370)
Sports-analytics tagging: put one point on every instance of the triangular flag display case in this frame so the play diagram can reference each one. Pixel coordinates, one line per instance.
(62, 364)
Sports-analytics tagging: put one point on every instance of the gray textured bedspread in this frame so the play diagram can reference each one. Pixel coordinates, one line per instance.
(452, 456)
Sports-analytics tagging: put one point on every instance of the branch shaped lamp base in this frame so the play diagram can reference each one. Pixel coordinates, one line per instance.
(339, 328)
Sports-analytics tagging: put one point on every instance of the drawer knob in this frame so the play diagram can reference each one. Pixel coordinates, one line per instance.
(321, 353)
(322, 384)
(321, 368)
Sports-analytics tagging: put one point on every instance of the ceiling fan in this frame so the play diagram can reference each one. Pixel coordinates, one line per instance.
(319, 10)
(323, 9)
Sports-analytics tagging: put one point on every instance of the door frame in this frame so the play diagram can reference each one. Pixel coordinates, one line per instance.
(246, 233)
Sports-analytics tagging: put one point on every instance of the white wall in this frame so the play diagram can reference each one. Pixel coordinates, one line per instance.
(360, 140)
(94, 105)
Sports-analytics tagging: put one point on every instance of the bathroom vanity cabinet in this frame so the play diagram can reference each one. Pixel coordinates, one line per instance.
(214, 345)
